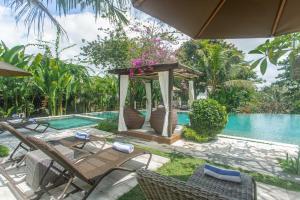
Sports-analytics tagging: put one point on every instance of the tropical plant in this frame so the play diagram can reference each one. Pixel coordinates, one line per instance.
(234, 95)
(108, 125)
(273, 51)
(218, 60)
(227, 76)
(34, 12)
(111, 51)
(208, 117)
(274, 99)
(291, 164)
(19, 88)
(55, 86)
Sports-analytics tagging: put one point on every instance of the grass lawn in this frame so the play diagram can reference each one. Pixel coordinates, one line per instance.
(182, 167)
(4, 151)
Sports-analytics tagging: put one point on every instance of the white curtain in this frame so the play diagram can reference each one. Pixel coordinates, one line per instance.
(164, 88)
(191, 92)
(149, 100)
(124, 79)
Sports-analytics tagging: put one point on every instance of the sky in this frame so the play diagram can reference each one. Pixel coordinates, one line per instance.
(82, 25)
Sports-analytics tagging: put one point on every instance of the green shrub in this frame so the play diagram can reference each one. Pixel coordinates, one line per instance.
(108, 125)
(4, 151)
(208, 117)
(191, 134)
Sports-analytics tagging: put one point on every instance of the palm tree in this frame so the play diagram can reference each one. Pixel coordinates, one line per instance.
(34, 12)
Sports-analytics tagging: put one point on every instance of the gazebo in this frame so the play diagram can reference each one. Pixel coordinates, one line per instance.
(165, 74)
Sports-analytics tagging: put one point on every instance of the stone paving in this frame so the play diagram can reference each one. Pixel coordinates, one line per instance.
(251, 155)
(246, 154)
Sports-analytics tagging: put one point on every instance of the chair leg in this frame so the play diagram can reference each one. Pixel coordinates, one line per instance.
(62, 195)
(19, 163)
(14, 151)
(46, 127)
(42, 186)
(36, 126)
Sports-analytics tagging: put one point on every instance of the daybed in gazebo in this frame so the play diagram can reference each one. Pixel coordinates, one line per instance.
(151, 130)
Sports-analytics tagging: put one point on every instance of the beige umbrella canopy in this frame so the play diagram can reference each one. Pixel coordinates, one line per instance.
(217, 19)
(10, 70)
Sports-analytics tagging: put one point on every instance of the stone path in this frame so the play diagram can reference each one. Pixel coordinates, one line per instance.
(269, 192)
(248, 155)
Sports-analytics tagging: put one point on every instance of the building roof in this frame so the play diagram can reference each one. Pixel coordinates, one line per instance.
(150, 72)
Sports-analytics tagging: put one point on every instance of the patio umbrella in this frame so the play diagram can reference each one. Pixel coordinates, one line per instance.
(217, 19)
(10, 70)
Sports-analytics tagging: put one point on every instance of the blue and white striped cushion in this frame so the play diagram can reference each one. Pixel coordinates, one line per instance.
(222, 174)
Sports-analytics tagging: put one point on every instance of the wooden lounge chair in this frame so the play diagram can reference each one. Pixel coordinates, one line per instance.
(198, 187)
(23, 144)
(158, 117)
(133, 118)
(25, 122)
(90, 169)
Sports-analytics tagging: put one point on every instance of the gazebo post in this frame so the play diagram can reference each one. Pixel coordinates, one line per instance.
(119, 80)
(171, 79)
(151, 86)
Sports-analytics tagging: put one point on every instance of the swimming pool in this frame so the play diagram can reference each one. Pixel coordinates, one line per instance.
(105, 115)
(71, 122)
(272, 127)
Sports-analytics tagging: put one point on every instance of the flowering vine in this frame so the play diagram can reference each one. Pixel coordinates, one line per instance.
(154, 47)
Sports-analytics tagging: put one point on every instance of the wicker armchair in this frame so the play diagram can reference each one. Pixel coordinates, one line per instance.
(158, 117)
(133, 118)
(198, 187)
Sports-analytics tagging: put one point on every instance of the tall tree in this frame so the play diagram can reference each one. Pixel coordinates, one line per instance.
(218, 60)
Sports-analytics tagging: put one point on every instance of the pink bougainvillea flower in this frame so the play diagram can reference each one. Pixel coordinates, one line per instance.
(137, 62)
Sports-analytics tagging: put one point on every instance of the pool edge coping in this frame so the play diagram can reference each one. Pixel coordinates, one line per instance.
(259, 141)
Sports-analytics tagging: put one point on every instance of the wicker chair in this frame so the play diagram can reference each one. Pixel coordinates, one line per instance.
(133, 118)
(198, 187)
(158, 117)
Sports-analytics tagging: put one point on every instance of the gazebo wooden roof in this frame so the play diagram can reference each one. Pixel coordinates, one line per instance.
(150, 72)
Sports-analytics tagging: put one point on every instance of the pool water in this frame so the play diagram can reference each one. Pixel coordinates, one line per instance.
(106, 115)
(71, 122)
(272, 127)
